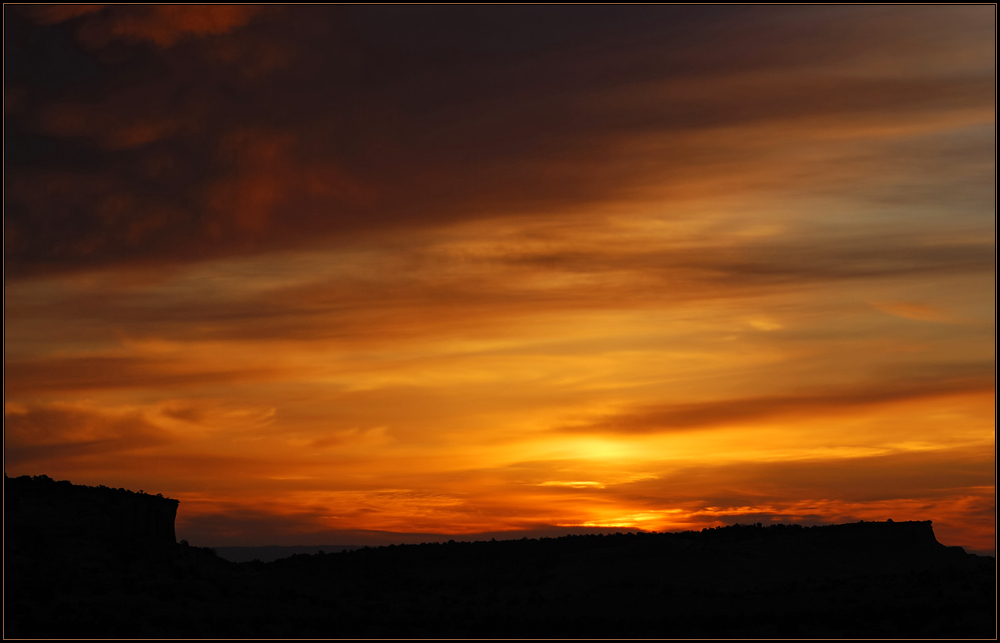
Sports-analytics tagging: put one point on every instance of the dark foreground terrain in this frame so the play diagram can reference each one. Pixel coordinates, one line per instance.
(86, 562)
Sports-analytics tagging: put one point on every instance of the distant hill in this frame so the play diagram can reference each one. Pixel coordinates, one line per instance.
(870, 579)
(271, 553)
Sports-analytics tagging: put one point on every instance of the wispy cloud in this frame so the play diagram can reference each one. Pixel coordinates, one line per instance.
(978, 378)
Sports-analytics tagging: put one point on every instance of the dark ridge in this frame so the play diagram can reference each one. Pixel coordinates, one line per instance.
(84, 562)
(270, 553)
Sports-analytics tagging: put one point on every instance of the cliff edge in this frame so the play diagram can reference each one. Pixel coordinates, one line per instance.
(43, 511)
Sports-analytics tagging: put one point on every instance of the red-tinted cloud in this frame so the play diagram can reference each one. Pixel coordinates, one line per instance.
(50, 14)
(160, 24)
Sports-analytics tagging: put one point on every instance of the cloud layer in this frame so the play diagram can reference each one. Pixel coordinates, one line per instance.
(328, 271)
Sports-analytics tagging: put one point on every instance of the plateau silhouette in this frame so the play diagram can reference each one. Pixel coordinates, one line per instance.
(95, 562)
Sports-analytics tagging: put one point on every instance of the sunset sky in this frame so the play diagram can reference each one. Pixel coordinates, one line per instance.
(320, 272)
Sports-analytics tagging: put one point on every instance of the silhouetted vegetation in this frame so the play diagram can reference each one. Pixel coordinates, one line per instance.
(884, 580)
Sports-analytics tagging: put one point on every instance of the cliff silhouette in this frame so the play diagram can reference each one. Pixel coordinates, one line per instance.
(65, 514)
(84, 562)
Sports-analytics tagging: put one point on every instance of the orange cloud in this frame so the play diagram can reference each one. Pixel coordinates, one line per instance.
(912, 310)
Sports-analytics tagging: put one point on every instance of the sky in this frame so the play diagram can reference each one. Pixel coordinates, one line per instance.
(324, 273)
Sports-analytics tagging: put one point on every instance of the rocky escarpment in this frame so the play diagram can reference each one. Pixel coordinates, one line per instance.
(88, 563)
(41, 511)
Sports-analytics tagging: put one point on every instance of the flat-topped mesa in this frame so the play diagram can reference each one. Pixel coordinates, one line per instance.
(875, 543)
(889, 531)
(41, 509)
(907, 534)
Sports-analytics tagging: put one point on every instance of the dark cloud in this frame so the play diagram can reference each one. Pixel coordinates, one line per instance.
(207, 132)
(60, 433)
(938, 380)
(767, 264)
(929, 475)
(187, 414)
(65, 374)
